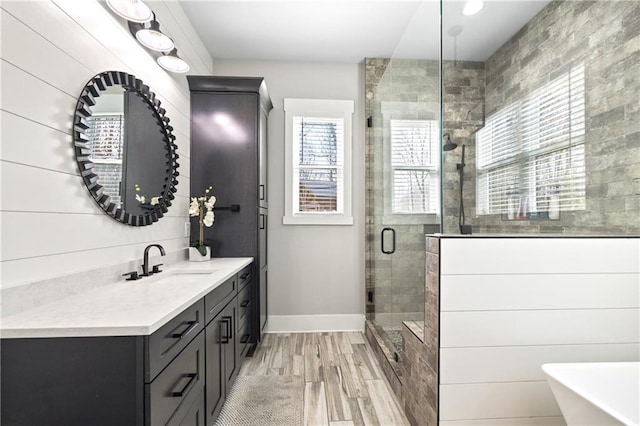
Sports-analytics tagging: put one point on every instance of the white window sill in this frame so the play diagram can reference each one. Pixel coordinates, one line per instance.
(317, 220)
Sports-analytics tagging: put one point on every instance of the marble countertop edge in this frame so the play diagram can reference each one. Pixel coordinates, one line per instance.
(126, 308)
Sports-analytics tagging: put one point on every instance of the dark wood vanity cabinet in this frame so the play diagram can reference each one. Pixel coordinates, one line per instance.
(229, 152)
(179, 375)
(221, 363)
(103, 380)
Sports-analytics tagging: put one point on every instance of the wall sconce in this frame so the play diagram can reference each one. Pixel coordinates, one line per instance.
(172, 62)
(146, 29)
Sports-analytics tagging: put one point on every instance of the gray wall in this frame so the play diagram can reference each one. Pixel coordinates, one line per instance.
(605, 36)
(313, 270)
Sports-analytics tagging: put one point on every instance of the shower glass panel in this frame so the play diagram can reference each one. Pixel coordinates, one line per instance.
(546, 106)
(403, 176)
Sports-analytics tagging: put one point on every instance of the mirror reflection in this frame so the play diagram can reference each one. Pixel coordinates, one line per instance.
(127, 153)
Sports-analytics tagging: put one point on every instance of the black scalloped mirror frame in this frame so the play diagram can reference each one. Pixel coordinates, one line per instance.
(87, 99)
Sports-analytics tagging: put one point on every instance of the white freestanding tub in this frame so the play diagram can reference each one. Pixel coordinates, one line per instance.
(596, 393)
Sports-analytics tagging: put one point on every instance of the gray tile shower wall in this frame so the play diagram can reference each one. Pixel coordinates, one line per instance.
(420, 363)
(605, 37)
(463, 88)
(602, 35)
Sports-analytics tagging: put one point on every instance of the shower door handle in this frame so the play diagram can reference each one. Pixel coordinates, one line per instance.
(393, 240)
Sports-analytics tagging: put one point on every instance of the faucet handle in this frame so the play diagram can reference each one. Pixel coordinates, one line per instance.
(132, 276)
(156, 268)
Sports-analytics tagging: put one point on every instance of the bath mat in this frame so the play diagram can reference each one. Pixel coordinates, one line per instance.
(264, 401)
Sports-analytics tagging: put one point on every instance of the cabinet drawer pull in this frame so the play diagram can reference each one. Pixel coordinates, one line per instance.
(245, 338)
(245, 275)
(183, 391)
(224, 337)
(245, 303)
(191, 325)
(228, 321)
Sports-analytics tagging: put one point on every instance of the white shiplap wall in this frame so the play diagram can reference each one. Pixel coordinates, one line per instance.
(50, 49)
(509, 305)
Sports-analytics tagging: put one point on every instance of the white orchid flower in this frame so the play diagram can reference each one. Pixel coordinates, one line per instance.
(155, 200)
(208, 218)
(194, 207)
(209, 204)
(140, 198)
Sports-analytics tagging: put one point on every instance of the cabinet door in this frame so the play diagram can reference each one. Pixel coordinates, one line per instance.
(229, 317)
(215, 384)
(262, 238)
(262, 161)
(263, 299)
(220, 359)
(224, 153)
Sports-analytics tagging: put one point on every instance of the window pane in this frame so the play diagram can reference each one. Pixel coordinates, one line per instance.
(318, 190)
(560, 174)
(499, 189)
(532, 151)
(414, 191)
(319, 140)
(413, 143)
(498, 140)
(110, 177)
(414, 150)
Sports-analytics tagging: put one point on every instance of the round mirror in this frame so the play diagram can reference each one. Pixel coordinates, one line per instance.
(124, 148)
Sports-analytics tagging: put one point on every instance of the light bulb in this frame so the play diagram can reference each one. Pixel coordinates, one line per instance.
(472, 7)
(154, 39)
(172, 62)
(131, 10)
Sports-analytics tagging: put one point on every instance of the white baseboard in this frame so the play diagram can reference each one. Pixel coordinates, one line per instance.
(314, 323)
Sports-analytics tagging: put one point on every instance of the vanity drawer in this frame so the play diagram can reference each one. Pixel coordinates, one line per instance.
(244, 305)
(178, 387)
(219, 297)
(171, 338)
(244, 276)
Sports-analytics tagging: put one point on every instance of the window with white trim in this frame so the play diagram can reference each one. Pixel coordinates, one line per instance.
(530, 155)
(318, 162)
(414, 166)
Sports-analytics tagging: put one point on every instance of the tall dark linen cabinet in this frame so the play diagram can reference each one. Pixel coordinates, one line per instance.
(229, 152)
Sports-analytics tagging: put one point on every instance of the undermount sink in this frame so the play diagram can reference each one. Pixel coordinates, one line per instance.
(596, 393)
(176, 276)
(190, 271)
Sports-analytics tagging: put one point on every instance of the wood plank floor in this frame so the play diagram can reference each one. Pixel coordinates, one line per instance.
(343, 383)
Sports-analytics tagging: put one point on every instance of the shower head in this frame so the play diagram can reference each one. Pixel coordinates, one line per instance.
(448, 146)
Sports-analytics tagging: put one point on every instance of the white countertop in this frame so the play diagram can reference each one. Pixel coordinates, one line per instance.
(127, 308)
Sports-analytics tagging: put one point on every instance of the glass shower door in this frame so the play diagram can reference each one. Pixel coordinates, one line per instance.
(403, 190)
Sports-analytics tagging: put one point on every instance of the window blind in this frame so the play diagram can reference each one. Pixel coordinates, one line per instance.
(414, 161)
(106, 142)
(318, 173)
(530, 155)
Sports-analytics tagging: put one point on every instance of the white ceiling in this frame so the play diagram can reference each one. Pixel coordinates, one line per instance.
(349, 30)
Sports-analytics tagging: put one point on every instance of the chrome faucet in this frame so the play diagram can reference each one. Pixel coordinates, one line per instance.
(145, 264)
